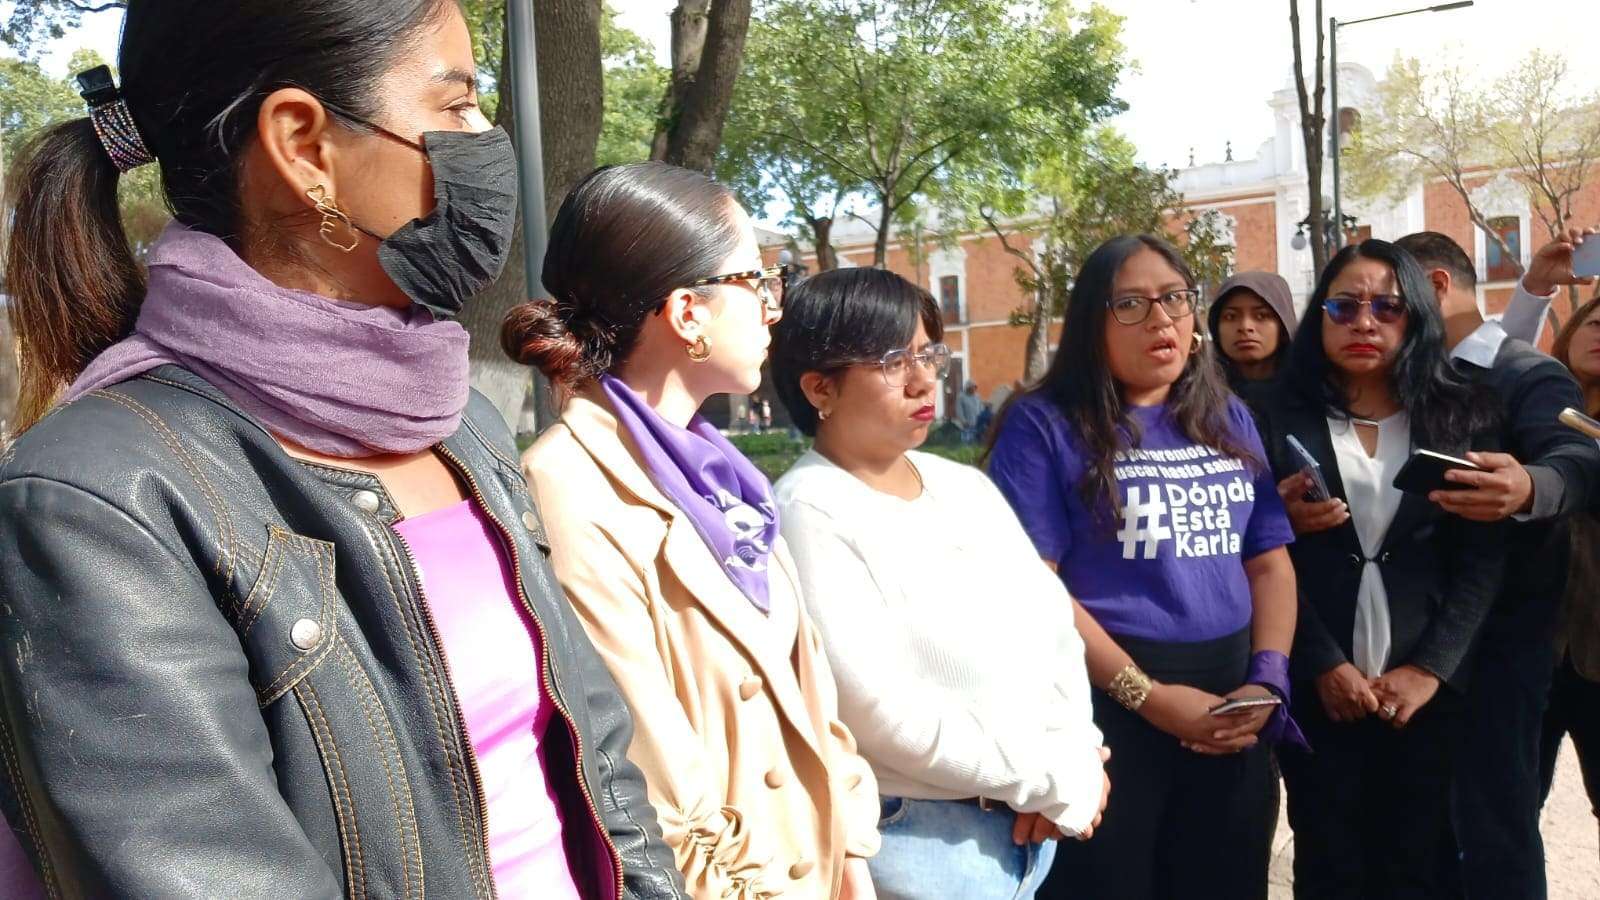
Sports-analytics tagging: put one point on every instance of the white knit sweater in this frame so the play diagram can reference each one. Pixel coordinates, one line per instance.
(959, 668)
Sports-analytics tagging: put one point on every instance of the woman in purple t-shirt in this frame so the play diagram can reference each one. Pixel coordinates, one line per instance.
(1144, 483)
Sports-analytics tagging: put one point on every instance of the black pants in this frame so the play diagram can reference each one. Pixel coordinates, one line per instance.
(1178, 825)
(1575, 710)
(1497, 784)
(1370, 805)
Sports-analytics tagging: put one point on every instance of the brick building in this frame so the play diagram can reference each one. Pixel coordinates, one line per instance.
(1263, 200)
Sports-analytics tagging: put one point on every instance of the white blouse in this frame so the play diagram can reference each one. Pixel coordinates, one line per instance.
(959, 668)
(1373, 499)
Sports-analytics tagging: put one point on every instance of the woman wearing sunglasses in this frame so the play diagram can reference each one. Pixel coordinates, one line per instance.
(1142, 480)
(666, 538)
(917, 573)
(1392, 588)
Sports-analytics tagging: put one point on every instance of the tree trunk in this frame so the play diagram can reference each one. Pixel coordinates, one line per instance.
(820, 231)
(880, 247)
(822, 240)
(1312, 122)
(571, 94)
(1037, 361)
(701, 91)
(1482, 221)
(689, 21)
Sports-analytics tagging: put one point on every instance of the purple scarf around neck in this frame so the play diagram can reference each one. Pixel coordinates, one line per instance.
(335, 377)
(726, 497)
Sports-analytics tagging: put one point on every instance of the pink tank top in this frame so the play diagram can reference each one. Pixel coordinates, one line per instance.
(493, 654)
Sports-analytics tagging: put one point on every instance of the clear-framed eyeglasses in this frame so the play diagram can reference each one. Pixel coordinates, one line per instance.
(1133, 310)
(896, 364)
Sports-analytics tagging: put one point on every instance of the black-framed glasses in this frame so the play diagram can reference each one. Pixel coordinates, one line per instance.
(768, 283)
(896, 364)
(1386, 308)
(1133, 310)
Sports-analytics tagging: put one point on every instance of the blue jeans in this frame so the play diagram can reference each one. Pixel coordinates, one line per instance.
(947, 848)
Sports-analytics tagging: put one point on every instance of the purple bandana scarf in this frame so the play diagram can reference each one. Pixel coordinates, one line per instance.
(726, 497)
(336, 377)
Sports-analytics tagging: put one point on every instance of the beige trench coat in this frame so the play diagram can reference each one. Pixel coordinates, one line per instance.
(758, 785)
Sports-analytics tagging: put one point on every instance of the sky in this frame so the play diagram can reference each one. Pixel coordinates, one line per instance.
(1206, 68)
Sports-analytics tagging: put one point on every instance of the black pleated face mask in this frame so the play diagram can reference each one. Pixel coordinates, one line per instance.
(447, 257)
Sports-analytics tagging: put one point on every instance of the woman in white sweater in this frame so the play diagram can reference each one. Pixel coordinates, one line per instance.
(959, 668)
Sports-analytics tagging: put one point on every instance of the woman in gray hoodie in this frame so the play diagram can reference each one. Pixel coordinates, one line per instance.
(1251, 322)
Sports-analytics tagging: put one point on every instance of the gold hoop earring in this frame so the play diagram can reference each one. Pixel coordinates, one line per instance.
(700, 350)
(333, 218)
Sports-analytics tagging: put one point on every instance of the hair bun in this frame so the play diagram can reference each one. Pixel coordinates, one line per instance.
(535, 334)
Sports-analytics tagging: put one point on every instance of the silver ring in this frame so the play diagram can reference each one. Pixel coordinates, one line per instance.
(1389, 711)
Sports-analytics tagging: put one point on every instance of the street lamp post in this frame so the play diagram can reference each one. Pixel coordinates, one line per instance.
(1334, 144)
(530, 142)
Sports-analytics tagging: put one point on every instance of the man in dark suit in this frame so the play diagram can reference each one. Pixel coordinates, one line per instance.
(1547, 473)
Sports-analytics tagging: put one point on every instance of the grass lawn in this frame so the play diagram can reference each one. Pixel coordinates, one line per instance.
(774, 453)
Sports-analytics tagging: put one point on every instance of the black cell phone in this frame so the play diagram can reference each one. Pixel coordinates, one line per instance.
(1309, 466)
(1424, 472)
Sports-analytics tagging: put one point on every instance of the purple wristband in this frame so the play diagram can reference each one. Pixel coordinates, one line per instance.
(1270, 669)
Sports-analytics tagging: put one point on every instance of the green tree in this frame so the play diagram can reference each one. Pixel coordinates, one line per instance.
(889, 95)
(1067, 204)
(1530, 122)
(634, 85)
(1426, 123)
(773, 97)
(30, 100)
(34, 23)
(1546, 131)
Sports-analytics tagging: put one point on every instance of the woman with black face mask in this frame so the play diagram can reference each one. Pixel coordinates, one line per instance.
(276, 604)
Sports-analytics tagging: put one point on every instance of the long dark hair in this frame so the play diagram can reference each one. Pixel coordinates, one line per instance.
(194, 75)
(625, 238)
(1080, 383)
(840, 318)
(1444, 407)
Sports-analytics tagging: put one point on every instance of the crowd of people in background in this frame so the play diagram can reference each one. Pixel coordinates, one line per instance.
(286, 614)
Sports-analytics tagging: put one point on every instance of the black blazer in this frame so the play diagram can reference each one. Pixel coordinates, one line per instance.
(1442, 572)
(1565, 469)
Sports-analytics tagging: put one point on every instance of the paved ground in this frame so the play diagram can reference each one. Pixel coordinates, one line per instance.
(1571, 840)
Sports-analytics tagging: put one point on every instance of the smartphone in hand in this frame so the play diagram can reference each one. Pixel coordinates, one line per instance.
(1424, 472)
(1244, 704)
(1309, 466)
(1586, 257)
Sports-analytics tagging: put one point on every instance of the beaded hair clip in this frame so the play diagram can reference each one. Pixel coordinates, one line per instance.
(113, 122)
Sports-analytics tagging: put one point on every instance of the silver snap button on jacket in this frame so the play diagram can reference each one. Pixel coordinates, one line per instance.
(305, 634)
(366, 501)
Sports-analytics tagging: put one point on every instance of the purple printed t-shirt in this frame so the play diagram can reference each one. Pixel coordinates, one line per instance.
(1170, 567)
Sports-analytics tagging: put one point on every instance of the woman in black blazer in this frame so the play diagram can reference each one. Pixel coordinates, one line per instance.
(1392, 588)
